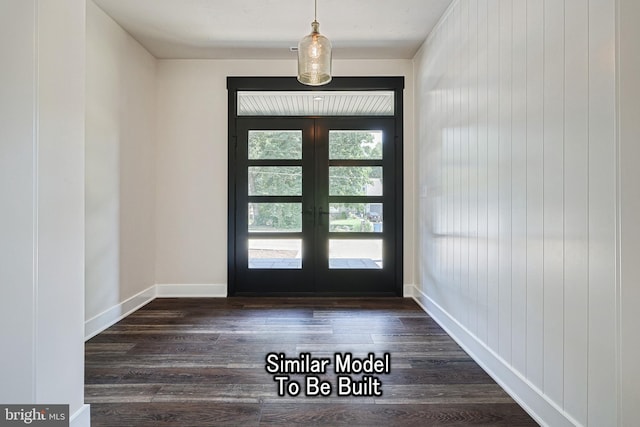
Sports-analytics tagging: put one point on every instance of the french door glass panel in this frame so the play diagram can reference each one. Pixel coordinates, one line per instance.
(275, 181)
(275, 254)
(355, 181)
(355, 217)
(275, 217)
(355, 144)
(274, 144)
(355, 254)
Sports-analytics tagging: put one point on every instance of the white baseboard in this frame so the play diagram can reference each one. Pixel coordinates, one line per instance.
(191, 291)
(81, 418)
(407, 291)
(541, 408)
(118, 312)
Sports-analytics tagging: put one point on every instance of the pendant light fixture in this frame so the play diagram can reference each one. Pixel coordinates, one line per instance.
(314, 56)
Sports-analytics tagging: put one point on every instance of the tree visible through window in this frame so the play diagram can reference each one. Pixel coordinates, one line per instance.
(287, 180)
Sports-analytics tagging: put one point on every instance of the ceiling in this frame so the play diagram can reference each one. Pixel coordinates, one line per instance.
(266, 29)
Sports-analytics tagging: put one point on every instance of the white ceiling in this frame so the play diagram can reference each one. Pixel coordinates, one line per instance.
(266, 29)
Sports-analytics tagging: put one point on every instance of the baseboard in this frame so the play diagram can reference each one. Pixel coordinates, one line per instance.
(541, 408)
(81, 418)
(191, 291)
(118, 312)
(407, 291)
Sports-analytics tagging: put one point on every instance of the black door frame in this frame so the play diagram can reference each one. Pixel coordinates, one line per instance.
(237, 84)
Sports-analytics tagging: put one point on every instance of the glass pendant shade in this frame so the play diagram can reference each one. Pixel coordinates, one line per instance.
(314, 58)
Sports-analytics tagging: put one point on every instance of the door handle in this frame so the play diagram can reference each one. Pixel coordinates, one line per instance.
(310, 211)
(321, 212)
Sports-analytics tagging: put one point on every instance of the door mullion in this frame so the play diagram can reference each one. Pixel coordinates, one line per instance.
(308, 203)
(321, 196)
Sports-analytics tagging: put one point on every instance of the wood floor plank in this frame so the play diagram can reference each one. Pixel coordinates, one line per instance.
(201, 362)
(309, 414)
(134, 336)
(117, 393)
(303, 338)
(443, 394)
(180, 414)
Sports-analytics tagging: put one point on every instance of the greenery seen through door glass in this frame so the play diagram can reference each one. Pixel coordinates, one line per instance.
(275, 144)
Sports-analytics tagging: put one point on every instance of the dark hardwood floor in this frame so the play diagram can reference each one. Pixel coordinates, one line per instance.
(201, 362)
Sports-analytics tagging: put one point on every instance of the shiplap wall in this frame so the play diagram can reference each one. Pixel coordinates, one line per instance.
(515, 119)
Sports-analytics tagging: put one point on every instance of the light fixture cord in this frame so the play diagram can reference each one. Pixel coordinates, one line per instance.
(315, 10)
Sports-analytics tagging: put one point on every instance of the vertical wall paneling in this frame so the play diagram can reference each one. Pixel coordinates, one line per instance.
(438, 158)
(462, 164)
(437, 135)
(493, 112)
(535, 194)
(440, 138)
(553, 199)
(451, 119)
(519, 188)
(472, 176)
(518, 101)
(576, 142)
(42, 98)
(602, 218)
(628, 64)
(505, 177)
(482, 172)
(18, 173)
(456, 169)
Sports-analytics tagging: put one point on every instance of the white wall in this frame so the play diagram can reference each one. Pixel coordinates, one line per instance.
(192, 162)
(515, 114)
(42, 44)
(120, 166)
(629, 107)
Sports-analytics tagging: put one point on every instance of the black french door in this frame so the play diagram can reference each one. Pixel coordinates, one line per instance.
(316, 207)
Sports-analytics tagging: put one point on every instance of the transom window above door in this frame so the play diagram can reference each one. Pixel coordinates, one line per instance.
(316, 103)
